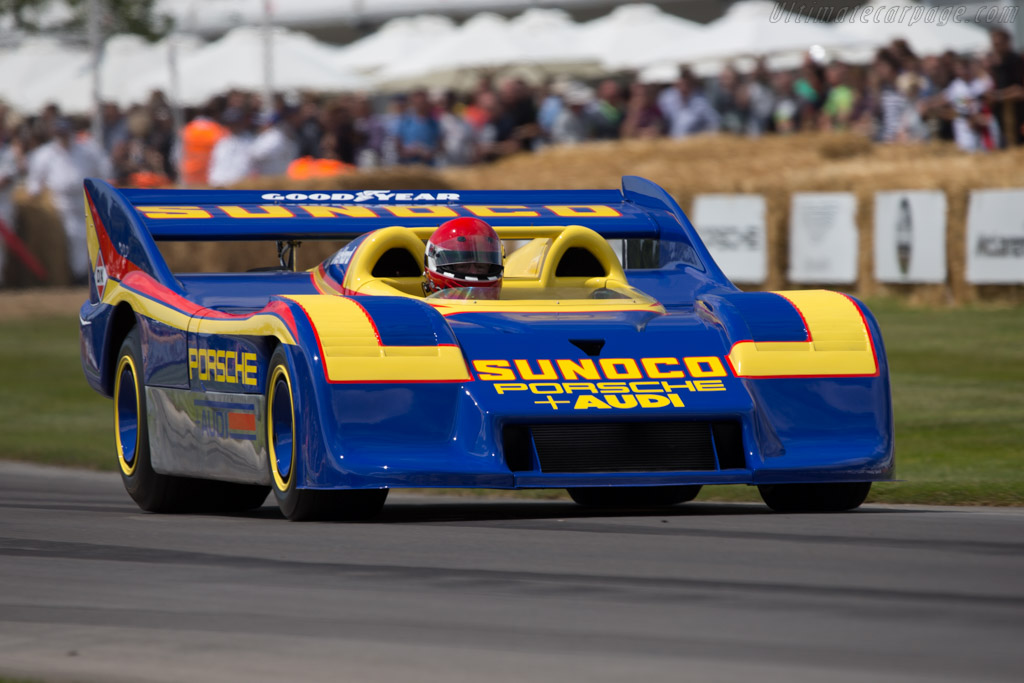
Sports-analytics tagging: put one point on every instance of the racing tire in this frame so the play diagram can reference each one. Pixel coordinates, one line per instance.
(838, 497)
(299, 504)
(633, 496)
(151, 491)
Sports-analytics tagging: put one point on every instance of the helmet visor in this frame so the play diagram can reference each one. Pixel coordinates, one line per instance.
(480, 261)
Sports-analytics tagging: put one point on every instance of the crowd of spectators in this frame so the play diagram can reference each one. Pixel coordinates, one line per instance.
(978, 102)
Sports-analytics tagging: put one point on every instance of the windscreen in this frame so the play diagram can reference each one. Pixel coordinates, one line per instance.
(555, 294)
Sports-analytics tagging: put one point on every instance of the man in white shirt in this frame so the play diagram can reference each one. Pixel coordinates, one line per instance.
(231, 160)
(688, 111)
(964, 95)
(60, 166)
(571, 125)
(273, 149)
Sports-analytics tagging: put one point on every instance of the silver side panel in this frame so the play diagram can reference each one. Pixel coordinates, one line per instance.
(208, 435)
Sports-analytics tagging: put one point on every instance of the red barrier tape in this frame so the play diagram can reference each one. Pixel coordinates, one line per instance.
(19, 249)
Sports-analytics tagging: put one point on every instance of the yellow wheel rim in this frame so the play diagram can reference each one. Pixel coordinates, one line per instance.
(127, 411)
(281, 427)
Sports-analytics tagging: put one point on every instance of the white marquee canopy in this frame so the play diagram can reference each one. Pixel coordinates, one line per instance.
(432, 51)
(907, 20)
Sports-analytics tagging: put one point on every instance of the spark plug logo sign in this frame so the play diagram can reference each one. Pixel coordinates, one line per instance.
(362, 196)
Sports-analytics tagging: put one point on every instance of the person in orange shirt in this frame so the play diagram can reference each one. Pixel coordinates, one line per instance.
(327, 165)
(198, 138)
(305, 168)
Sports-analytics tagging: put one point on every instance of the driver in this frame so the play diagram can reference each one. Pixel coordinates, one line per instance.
(463, 252)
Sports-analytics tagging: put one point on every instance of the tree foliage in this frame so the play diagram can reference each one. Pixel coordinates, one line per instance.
(118, 16)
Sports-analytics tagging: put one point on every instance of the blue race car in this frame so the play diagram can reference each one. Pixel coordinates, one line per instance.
(618, 362)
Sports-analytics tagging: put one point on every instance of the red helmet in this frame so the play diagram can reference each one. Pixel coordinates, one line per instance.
(463, 252)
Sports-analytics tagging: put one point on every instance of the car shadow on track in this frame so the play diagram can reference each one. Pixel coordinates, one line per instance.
(419, 510)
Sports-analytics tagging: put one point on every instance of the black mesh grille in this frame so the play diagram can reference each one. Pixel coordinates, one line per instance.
(729, 445)
(624, 447)
(518, 452)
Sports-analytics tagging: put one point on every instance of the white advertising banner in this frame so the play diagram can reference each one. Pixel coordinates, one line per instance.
(910, 236)
(823, 237)
(995, 237)
(733, 228)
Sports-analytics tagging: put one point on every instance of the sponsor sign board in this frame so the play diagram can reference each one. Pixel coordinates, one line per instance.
(910, 236)
(823, 237)
(995, 237)
(733, 229)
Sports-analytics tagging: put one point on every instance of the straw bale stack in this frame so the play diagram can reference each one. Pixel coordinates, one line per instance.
(39, 226)
(776, 167)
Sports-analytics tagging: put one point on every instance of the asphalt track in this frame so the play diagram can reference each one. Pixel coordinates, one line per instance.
(442, 589)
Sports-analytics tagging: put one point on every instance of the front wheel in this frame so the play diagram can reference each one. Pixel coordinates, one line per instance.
(814, 497)
(282, 447)
(633, 496)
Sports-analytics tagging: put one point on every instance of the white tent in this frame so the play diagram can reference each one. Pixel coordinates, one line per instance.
(212, 16)
(483, 42)
(632, 35)
(34, 72)
(550, 38)
(127, 60)
(130, 70)
(909, 20)
(539, 41)
(236, 61)
(754, 28)
(396, 42)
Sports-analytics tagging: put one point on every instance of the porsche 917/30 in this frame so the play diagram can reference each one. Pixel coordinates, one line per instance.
(615, 360)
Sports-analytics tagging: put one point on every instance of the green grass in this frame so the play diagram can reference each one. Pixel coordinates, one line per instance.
(958, 394)
(958, 398)
(48, 412)
(957, 375)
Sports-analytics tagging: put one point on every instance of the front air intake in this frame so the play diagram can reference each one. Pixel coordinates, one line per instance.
(624, 447)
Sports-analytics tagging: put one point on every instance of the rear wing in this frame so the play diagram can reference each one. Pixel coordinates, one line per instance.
(135, 219)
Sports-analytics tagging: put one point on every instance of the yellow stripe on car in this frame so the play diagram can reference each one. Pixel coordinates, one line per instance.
(353, 351)
(839, 345)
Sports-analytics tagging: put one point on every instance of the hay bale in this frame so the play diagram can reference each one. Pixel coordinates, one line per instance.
(845, 146)
(40, 227)
(776, 167)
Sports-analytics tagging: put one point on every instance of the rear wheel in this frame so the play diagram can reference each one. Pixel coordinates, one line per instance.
(633, 496)
(152, 491)
(815, 497)
(282, 446)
